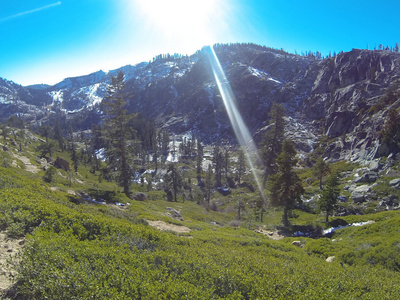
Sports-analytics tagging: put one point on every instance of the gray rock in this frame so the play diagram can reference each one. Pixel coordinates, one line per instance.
(140, 196)
(174, 212)
(369, 177)
(339, 123)
(375, 166)
(359, 194)
(358, 197)
(62, 164)
(330, 259)
(363, 188)
(395, 182)
(296, 243)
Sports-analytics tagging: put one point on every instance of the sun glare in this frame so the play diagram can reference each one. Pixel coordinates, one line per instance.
(188, 24)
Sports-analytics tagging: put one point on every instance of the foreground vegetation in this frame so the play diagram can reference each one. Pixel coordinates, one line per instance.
(76, 249)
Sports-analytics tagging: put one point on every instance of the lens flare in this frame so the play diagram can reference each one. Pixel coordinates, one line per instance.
(239, 127)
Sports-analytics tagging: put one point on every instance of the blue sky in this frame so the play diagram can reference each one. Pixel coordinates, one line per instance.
(45, 41)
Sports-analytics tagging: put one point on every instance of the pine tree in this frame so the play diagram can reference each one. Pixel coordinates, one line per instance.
(199, 160)
(286, 186)
(391, 130)
(241, 165)
(74, 157)
(45, 131)
(218, 163)
(165, 142)
(173, 181)
(208, 184)
(155, 152)
(272, 141)
(5, 130)
(116, 131)
(321, 168)
(329, 198)
(57, 135)
(226, 163)
(46, 148)
(271, 147)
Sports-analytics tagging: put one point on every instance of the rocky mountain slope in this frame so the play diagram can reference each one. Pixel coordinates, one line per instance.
(345, 97)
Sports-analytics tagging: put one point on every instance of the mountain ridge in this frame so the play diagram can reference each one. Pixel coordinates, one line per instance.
(334, 96)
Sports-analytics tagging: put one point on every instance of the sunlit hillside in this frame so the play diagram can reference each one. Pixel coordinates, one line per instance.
(75, 235)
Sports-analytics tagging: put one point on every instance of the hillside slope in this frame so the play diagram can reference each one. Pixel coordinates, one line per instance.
(77, 248)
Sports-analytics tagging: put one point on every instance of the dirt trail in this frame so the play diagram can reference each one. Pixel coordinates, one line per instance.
(161, 225)
(29, 167)
(8, 248)
(272, 234)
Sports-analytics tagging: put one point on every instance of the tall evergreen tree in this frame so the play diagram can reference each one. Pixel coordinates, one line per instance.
(116, 131)
(74, 157)
(286, 186)
(271, 146)
(208, 184)
(321, 168)
(45, 131)
(273, 139)
(226, 163)
(5, 130)
(173, 181)
(391, 130)
(155, 151)
(329, 198)
(199, 160)
(58, 136)
(218, 164)
(241, 165)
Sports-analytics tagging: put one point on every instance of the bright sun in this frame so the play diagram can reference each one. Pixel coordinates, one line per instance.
(188, 24)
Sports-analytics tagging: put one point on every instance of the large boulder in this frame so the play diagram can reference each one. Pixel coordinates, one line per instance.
(62, 164)
(395, 183)
(359, 194)
(140, 196)
(375, 166)
(330, 259)
(368, 177)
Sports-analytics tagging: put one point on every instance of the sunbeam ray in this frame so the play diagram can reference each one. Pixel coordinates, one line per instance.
(239, 127)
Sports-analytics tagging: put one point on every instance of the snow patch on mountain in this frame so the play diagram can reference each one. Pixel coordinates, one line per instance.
(4, 100)
(93, 93)
(210, 93)
(262, 75)
(57, 96)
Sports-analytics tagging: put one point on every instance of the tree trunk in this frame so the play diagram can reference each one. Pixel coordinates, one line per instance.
(285, 219)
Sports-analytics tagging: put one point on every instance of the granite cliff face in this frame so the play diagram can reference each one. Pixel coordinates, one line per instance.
(352, 93)
(345, 97)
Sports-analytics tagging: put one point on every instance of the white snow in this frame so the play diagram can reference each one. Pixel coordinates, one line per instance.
(5, 100)
(332, 229)
(101, 154)
(91, 92)
(262, 75)
(57, 96)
